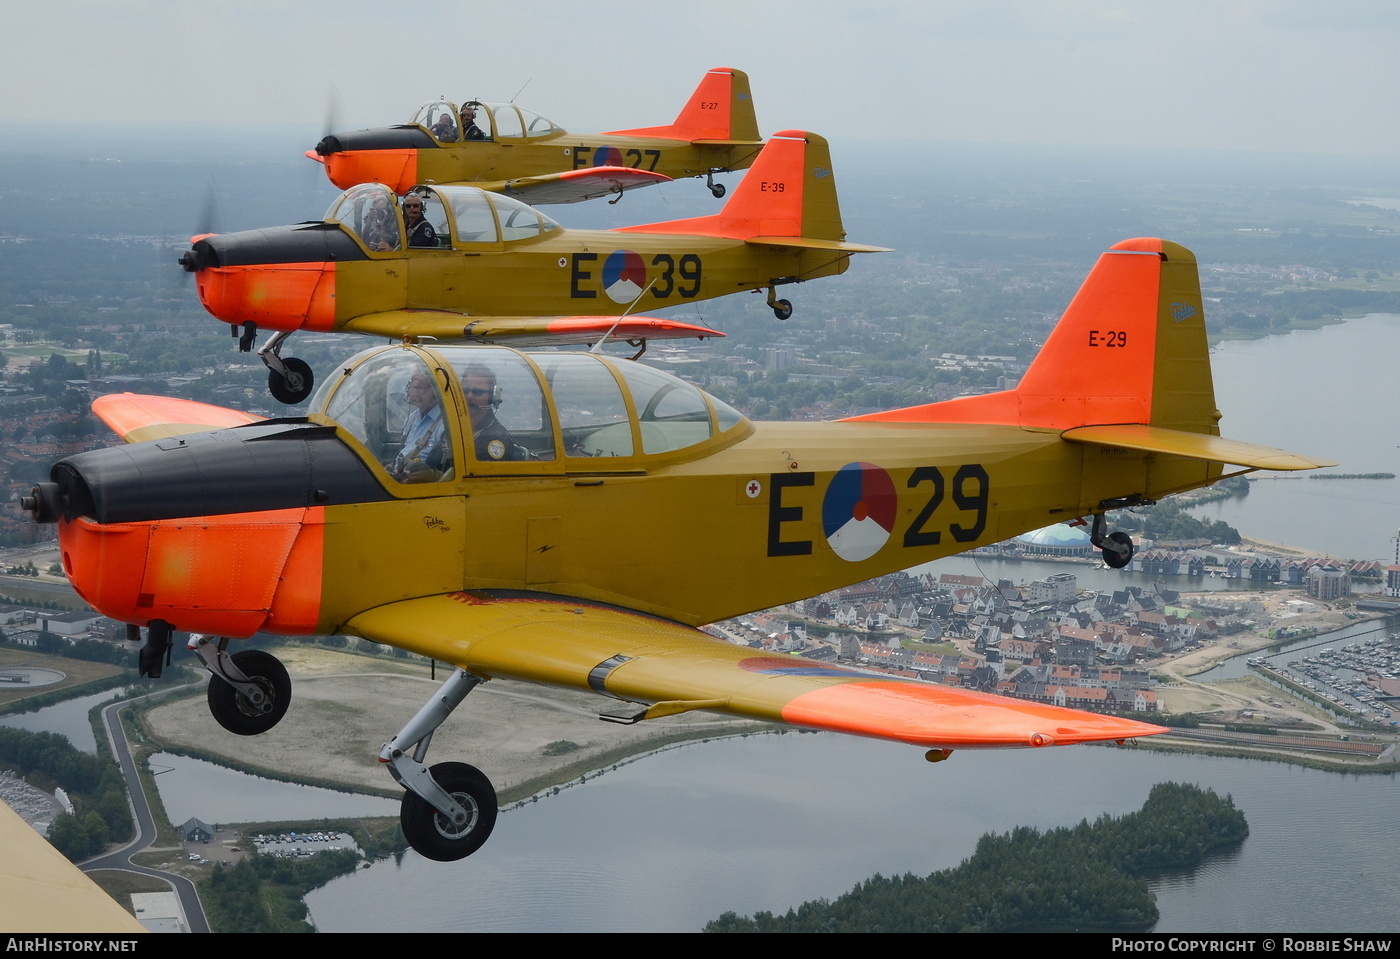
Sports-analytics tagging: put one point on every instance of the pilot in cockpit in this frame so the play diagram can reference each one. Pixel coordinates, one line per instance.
(426, 454)
(445, 128)
(381, 227)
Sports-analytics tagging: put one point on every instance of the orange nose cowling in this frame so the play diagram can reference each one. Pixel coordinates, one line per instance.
(276, 296)
(396, 169)
(230, 575)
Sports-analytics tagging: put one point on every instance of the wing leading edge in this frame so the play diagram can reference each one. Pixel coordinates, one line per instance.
(523, 331)
(673, 668)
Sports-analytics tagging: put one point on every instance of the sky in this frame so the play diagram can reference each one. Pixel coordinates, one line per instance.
(1293, 76)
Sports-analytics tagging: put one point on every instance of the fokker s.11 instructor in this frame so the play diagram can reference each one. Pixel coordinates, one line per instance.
(508, 149)
(571, 519)
(462, 264)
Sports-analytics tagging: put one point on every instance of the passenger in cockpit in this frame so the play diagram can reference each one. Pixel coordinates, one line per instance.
(420, 231)
(492, 441)
(470, 131)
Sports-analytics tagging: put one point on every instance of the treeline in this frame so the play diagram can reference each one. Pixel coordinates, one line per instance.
(1087, 877)
(264, 893)
(94, 785)
(1168, 522)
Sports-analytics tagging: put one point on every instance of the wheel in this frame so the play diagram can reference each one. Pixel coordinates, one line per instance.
(717, 189)
(1119, 552)
(295, 386)
(782, 309)
(231, 708)
(431, 834)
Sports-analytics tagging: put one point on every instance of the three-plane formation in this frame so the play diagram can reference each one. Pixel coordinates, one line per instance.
(464, 499)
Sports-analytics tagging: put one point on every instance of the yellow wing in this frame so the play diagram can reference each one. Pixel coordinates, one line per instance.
(575, 185)
(523, 331)
(40, 891)
(671, 668)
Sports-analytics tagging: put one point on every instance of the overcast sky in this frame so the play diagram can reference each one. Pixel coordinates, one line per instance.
(1292, 75)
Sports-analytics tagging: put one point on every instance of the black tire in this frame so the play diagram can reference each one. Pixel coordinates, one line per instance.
(782, 309)
(433, 835)
(717, 189)
(233, 711)
(295, 386)
(1114, 558)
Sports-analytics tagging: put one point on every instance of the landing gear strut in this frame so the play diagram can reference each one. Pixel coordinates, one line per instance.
(449, 810)
(250, 691)
(782, 309)
(1116, 547)
(288, 380)
(716, 189)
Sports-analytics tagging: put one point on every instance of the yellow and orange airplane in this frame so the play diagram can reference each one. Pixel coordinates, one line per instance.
(458, 263)
(570, 519)
(508, 149)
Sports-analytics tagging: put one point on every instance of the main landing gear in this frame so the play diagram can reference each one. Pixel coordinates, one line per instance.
(1116, 547)
(250, 691)
(449, 810)
(782, 309)
(289, 379)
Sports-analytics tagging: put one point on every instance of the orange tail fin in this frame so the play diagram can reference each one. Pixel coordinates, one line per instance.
(721, 108)
(1131, 348)
(789, 191)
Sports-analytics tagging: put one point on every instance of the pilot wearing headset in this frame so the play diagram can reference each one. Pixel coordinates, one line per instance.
(492, 441)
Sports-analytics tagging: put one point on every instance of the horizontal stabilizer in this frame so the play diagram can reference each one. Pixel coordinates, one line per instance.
(814, 243)
(1198, 446)
(574, 186)
(136, 417)
(524, 330)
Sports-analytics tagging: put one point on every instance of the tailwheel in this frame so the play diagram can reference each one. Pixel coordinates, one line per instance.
(1117, 549)
(782, 309)
(295, 384)
(717, 190)
(434, 835)
(248, 714)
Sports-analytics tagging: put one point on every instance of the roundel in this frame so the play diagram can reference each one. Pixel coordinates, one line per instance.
(624, 276)
(858, 511)
(607, 156)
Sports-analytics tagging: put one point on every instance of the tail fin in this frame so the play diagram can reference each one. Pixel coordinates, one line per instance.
(789, 192)
(1131, 348)
(721, 108)
(1127, 366)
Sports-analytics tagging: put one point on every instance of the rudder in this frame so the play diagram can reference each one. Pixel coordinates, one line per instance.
(1130, 348)
(721, 108)
(790, 191)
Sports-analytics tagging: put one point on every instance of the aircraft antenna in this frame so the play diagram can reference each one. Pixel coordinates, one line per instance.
(598, 347)
(521, 90)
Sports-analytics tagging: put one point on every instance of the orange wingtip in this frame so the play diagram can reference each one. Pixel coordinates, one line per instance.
(630, 327)
(948, 717)
(128, 413)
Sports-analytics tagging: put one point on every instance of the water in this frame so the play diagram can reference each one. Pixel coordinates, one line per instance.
(1328, 393)
(674, 840)
(69, 718)
(194, 788)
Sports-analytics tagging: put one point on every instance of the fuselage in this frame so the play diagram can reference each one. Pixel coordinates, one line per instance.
(611, 482)
(493, 256)
(508, 143)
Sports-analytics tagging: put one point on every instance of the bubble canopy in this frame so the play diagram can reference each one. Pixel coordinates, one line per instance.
(431, 415)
